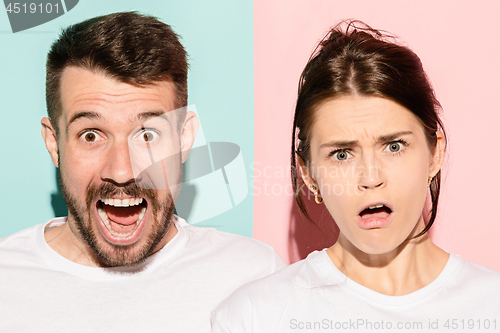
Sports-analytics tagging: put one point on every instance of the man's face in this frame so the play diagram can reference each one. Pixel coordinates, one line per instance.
(109, 132)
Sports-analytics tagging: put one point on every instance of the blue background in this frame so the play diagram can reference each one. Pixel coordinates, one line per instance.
(218, 35)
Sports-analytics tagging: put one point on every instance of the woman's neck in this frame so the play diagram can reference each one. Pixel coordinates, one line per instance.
(408, 268)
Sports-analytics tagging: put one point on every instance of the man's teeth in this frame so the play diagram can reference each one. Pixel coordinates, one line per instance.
(376, 206)
(105, 219)
(123, 202)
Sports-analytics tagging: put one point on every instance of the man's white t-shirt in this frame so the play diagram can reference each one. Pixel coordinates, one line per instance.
(173, 291)
(314, 296)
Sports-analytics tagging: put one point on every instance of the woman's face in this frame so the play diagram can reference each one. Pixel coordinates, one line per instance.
(371, 162)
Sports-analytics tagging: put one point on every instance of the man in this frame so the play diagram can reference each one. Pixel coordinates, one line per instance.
(118, 133)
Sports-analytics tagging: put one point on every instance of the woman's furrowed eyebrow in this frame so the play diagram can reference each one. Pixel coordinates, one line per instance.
(339, 144)
(393, 136)
(352, 143)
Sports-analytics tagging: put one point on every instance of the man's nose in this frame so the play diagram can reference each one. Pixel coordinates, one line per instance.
(117, 165)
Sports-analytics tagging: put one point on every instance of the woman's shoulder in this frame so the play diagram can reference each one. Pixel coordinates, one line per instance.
(467, 280)
(470, 273)
(285, 283)
(468, 289)
(268, 297)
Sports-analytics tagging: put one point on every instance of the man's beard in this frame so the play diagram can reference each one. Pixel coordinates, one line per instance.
(112, 255)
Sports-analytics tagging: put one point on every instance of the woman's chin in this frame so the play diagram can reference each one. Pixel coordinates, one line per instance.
(377, 244)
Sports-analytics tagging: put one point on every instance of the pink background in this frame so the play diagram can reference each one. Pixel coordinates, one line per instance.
(458, 42)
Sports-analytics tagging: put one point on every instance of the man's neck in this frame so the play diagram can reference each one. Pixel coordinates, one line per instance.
(62, 240)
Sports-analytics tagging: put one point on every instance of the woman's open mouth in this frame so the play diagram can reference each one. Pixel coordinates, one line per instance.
(375, 216)
(122, 218)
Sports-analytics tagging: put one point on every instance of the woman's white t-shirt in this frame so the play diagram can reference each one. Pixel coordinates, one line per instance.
(314, 296)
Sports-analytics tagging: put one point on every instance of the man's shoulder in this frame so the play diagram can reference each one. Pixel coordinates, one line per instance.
(25, 244)
(18, 248)
(224, 239)
(224, 247)
(18, 239)
(299, 276)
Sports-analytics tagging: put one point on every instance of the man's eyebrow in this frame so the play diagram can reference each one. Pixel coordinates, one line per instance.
(94, 115)
(84, 114)
(352, 143)
(152, 114)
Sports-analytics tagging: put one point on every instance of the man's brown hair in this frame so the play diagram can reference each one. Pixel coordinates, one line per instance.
(129, 47)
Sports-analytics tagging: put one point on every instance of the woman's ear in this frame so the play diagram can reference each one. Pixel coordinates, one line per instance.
(437, 159)
(306, 174)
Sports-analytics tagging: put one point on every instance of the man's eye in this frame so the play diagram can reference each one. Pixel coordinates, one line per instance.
(90, 136)
(147, 136)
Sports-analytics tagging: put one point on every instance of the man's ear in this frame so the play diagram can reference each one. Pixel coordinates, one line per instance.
(306, 175)
(188, 134)
(438, 157)
(49, 136)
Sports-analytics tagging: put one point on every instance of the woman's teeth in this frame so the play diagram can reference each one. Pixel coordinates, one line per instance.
(376, 206)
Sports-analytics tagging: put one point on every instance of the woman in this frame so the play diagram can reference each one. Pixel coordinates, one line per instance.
(369, 145)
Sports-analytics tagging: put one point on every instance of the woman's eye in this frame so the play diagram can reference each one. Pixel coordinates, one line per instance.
(341, 155)
(394, 147)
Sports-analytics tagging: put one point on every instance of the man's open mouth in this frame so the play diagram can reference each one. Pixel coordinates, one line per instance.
(122, 216)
